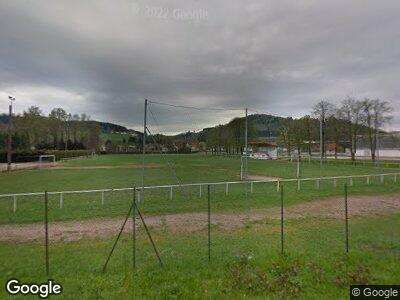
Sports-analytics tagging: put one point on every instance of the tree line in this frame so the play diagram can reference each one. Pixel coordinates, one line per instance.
(341, 126)
(32, 130)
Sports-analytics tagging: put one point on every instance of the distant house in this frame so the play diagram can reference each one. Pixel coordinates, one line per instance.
(389, 146)
(385, 153)
(263, 150)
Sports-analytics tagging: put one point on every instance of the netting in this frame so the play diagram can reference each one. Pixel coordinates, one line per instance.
(174, 129)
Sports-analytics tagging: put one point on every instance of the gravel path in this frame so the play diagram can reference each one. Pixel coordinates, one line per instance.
(186, 223)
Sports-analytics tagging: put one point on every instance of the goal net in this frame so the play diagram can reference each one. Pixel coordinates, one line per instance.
(47, 160)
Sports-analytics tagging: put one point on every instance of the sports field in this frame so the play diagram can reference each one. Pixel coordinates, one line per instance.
(245, 230)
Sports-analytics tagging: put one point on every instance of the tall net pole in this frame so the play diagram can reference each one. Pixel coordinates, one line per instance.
(321, 144)
(246, 144)
(144, 145)
(9, 140)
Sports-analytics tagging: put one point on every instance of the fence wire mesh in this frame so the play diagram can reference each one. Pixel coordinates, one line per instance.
(186, 223)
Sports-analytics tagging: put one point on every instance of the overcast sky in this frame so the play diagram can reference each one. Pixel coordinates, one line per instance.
(104, 57)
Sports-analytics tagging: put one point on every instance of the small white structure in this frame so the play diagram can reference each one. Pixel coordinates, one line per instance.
(391, 153)
(263, 150)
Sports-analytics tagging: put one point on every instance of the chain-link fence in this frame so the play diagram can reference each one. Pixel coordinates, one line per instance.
(124, 228)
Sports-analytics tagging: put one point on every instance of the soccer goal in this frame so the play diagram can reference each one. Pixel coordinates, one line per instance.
(47, 159)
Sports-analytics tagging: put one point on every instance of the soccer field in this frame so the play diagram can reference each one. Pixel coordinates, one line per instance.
(245, 228)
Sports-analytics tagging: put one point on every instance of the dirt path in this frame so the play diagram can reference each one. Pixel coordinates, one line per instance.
(187, 223)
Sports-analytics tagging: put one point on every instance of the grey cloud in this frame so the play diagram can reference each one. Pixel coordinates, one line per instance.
(277, 56)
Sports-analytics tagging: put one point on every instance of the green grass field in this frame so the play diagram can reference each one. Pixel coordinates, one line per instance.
(121, 171)
(245, 259)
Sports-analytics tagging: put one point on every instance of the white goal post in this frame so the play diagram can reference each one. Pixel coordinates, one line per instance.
(52, 157)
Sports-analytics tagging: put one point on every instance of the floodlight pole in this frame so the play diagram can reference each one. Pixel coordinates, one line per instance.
(246, 143)
(9, 140)
(144, 145)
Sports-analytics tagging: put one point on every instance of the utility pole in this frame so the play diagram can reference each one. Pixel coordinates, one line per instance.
(144, 145)
(9, 141)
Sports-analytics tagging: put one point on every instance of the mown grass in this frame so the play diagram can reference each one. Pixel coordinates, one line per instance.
(189, 168)
(125, 170)
(244, 263)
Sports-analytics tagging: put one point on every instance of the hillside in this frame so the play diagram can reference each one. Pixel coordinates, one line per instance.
(265, 126)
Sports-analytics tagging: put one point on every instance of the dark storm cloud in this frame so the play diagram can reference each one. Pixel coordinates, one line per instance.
(105, 57)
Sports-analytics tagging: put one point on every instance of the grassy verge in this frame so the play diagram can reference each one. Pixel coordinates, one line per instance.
(245, 263)
(158, 202)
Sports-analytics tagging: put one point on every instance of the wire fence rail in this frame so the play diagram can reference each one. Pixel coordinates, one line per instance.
(170, 188)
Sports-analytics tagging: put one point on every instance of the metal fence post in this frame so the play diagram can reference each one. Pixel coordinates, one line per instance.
(282, 248)
(209, 221)
(334, 182)
(200, 192)
(346, 218)
(226, 189)
(134, 229)
(102, 198)
(170, 193)
(251, 187)
(278, 183)
(15, 204)
(368, 180)
(46, 231)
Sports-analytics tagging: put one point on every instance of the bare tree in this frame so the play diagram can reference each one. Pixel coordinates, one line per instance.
(351, 112)
(323, 110)
(376, 113)
(307, 125)
(286, 134)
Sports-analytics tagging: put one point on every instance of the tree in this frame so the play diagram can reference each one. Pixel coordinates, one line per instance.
(57, 118)
(308, 132)
(323, 110)
(376, 113)
(351, 112)
(298, 134)
(31, 125)
(286, 134)
(335, 131)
